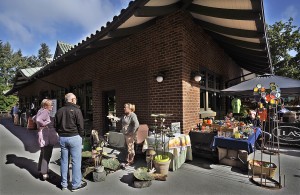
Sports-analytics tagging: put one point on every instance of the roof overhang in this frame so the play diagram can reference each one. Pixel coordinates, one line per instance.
(238, 26)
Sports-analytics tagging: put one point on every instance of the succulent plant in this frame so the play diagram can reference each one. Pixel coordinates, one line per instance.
(111, 163)
(142, 174)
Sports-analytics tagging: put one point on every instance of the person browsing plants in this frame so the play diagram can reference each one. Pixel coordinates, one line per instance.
(130, 124)
(69, 126)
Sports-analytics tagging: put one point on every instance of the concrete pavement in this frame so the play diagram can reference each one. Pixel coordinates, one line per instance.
(19, 154)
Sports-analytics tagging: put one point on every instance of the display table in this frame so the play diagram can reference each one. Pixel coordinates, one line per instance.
(202, 144)
(178, 147)
(234, 152)
(237, 144)
(116, 139)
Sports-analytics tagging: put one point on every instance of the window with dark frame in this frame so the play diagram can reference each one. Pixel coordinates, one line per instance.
(210, 86)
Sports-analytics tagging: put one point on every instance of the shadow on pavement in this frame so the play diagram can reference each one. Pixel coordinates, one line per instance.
(28, 137)
(201, 162)
(31, 167)
(128, 179)
(291, 152)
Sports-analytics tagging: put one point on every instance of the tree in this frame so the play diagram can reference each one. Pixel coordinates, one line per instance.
(6, 102)
(283, 38)
(7, 61)
(44, 54)
(32, 61)
(10, 62)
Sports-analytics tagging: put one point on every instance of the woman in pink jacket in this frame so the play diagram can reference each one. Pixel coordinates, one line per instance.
(47, 136)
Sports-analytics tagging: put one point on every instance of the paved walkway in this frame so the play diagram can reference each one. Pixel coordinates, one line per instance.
(19, 153)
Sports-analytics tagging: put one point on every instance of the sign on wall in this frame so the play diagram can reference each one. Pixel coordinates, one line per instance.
(54, 108)
(175, 127)
(288, 134)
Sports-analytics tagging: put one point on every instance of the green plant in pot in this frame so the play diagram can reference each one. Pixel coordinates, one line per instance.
(161, 160)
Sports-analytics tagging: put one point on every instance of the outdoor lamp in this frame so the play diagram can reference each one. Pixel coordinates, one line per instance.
(160, 76)
(196, 76)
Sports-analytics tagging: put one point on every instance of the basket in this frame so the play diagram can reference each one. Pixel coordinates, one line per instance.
(261, 170)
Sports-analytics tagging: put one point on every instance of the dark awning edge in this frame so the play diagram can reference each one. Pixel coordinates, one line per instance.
(137, 8)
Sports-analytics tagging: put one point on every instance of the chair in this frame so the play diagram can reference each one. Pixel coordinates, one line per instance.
(141, 135)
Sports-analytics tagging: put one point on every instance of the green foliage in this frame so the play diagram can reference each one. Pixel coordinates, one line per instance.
(143, 174)
(44, 54)
(283, 38)
(111, 163)
(6, 103)
(32, 61)
(10, 63)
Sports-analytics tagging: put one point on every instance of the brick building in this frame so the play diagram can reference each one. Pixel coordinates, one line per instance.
(176, 39)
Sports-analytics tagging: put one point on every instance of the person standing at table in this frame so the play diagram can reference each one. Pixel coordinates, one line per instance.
(254, 120)
(16, 114)
(69, 126)
(47, 137)
(229, 116)
(130, 124)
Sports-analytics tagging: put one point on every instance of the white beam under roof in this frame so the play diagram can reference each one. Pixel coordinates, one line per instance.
(161, 2)
(134, 21)
(230, 23)
(252, 40)
(226, 4)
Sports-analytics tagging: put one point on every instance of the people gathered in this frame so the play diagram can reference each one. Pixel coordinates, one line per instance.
(67, 129)
(47, 137)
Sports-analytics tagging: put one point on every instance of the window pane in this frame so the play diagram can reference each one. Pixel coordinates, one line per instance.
(202, 98)
(203, 79)
(218, 83)
(211, 100)
(218, 101)
(210, 80)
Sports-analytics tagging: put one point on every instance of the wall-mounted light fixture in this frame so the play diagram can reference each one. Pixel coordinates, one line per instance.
(160, 76)
(196, 76)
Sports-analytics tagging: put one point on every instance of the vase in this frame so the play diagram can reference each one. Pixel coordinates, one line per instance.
(162, 164)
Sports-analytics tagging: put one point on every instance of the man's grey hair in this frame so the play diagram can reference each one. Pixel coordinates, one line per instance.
(69, 97)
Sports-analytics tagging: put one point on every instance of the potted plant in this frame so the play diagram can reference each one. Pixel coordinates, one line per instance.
(161, 159)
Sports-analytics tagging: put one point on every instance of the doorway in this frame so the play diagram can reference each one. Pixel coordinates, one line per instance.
(109, 102)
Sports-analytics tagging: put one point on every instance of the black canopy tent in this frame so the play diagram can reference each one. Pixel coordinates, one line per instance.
(287, 86)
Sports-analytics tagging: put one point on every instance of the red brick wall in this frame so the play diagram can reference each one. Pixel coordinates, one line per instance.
(174, 44)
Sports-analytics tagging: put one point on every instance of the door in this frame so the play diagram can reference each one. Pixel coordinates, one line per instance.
(109, 102)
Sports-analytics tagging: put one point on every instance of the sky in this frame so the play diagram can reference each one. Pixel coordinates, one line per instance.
(25, 24)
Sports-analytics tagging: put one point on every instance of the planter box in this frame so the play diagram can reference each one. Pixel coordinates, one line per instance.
(261, 170)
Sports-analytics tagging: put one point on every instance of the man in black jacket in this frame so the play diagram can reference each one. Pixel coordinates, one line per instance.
(69, 126)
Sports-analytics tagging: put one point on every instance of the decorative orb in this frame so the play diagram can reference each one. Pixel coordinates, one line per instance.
(273, 88)
(258, 86)
(273, 94)
(278, 95)
(268, 98)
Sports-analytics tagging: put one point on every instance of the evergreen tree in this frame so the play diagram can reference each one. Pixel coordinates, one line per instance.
(8, 59)
(44, 54)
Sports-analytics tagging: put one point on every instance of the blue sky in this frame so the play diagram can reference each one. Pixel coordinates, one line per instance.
(25, 24)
